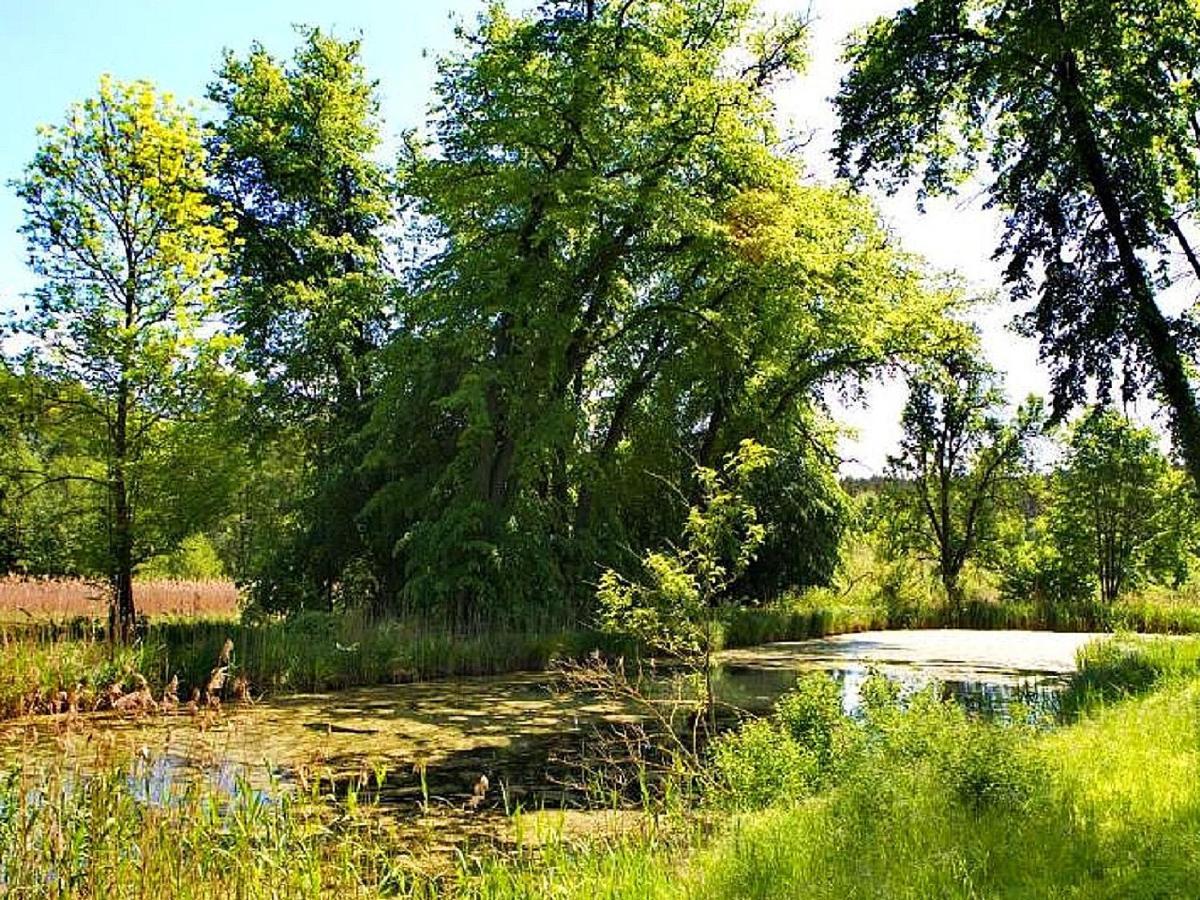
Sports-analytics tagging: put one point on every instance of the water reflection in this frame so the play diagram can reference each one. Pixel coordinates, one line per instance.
(989, 672)
(755, 690)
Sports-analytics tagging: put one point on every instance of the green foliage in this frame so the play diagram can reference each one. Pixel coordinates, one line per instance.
(130, 384)
(808, 514)
(1081, 116)
(811, 714)
(760, 764)
(195, 559)
(810, 742)
(674, 605)
(1112, 669)
(626, 278)
(295, 159)
(1114, 516)
(957, 457)
(311, 651)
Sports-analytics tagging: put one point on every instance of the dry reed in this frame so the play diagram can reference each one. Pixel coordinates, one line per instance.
(52, 598)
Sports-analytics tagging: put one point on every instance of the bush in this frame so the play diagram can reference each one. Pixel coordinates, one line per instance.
(992, 766)
(811, 744)
(985, 763)
(759, 764)
(811, 714)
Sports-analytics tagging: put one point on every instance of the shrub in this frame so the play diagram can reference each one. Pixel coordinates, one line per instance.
(991, 766)
(759, 764)
(811, 714)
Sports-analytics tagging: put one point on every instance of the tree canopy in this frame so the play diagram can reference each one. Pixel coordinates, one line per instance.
(1082, 117)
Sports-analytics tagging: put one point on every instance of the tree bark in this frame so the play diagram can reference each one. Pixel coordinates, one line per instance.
(123, 615)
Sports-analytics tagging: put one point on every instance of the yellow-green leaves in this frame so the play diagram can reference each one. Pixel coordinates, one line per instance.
(130, 250)
(116, 202)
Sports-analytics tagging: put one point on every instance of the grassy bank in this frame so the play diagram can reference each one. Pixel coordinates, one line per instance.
(930, 804)
(917, 800)
(45, 661)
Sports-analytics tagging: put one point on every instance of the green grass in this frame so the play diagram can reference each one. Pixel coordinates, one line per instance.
(66, 836)
(934, 804)
(1111, 810)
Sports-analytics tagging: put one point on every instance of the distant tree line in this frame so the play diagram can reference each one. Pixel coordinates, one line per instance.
(974, 487)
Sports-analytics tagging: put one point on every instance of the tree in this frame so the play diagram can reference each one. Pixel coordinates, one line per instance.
(1086, 115)
(1112, 507)
(957, 454)
(674, 604)
(295, 159)
(129, 249)
(47, 510)
(623, 275)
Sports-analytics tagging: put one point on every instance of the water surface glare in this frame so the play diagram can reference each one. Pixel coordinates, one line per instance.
(985, 670)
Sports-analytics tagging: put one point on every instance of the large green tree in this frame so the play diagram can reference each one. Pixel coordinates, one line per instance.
(624, 275)
(1083, 117)
(296, 159)
(129, 250)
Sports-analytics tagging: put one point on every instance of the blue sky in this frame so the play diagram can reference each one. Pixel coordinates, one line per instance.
(52, 53)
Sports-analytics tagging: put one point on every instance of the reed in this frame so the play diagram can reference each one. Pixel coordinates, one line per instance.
(59, 599)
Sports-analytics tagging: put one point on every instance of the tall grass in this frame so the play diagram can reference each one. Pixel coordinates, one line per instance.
(1106, 808)
(39, 676)
(321, 651)
(64, 835)
(820, 612)
(1112, 669)
(42, 663)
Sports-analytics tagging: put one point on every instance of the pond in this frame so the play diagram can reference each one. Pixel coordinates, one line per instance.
(986, 671)
(435, 740)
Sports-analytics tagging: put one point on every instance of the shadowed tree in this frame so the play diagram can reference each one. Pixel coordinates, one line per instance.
(1083, 115)
(296, 160)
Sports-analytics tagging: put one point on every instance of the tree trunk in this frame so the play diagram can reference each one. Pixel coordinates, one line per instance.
(954, 593)
(123, 615)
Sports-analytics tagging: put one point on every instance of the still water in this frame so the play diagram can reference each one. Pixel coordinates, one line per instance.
(434, 740)
(987, 671)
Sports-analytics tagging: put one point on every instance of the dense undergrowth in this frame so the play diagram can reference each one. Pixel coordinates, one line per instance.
(913, 799)
(43, 662)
